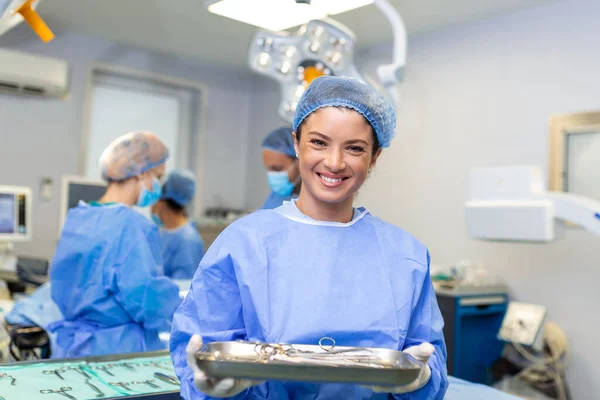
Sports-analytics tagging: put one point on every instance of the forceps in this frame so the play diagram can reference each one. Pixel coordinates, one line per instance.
(105, 369)
(55, 372)
(81, 371)
(62, 391)
(122, 385)
(99, 392)
(149, 382)
(13, 381)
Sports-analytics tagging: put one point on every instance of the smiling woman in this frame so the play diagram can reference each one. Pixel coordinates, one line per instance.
(334, 164)
(292, 274)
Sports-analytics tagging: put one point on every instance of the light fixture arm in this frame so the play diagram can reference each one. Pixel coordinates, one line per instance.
(391, 74)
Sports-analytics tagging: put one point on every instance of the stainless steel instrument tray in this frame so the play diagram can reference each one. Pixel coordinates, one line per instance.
(370, 366)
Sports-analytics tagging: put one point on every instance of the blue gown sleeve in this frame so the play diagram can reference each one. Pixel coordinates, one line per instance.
(426, 325)
(181, 264)
(212, 308)
(143, 291)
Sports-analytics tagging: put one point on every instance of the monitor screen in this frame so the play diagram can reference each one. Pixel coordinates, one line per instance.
(15, 213)
(84, 191)
(7, 213)
(75, 189)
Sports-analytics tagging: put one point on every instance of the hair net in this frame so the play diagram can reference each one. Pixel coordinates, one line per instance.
(280, 140)
(333, 91)
(179, 187)
(132, 154)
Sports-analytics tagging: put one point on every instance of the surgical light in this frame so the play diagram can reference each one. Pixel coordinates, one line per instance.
(276, 15)
(296, 59)
(321, 47)
(13, 12)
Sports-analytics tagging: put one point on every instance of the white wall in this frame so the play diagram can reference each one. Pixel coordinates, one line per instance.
(482, 94)
(41, 137)
(263, 119)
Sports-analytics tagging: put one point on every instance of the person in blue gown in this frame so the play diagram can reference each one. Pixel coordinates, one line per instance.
(38, 309)
(279, 158)
(318, 267)
(107, 275)
(182, 245)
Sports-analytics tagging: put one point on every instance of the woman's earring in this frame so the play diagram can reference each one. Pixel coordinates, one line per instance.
(297, 156)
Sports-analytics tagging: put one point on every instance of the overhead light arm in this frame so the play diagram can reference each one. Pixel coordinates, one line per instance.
(512, 204)
(391, 74)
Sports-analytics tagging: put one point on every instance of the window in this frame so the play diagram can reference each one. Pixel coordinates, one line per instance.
(575, 154)
(122, 102)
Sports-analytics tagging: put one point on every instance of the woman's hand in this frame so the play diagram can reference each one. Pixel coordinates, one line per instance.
(215, 387)
(421, 353)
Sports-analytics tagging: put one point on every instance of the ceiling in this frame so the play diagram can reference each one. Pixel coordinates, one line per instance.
(185, 27)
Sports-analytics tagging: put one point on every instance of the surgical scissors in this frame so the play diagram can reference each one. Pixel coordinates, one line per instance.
(81, 371)
(55, 372)
(149, 382)
(105, 369)
(157, 365)
(62, 391)
(13, 380)
(99, 392)
(122, 385)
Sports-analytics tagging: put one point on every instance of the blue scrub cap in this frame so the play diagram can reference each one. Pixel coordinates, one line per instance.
(334, 91)
(280, 140)
(180, 187)
(132, 154)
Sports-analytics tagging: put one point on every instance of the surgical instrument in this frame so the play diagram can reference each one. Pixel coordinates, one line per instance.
(167, 378)
(99, 392)
(55, 372)
(13, 380)
(62, 391)
(123, 385)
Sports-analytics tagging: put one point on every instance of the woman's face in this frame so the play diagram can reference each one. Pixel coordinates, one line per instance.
(278, 162)
(335, 151)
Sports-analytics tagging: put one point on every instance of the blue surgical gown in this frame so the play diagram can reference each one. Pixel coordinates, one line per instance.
(36, 310)
(274, 200)
(280, 277)
(182, 250)
(108, 282)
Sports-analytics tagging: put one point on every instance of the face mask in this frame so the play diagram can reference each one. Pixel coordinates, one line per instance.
(280, 184)
(156, 219)
(148, 198)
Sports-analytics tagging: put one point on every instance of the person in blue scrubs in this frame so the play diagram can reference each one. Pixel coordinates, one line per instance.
(318, 267)
(182, 245)
(107, 275)
(36, 310)
(279, 157)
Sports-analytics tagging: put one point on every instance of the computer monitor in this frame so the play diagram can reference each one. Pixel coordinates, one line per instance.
(75, 189)
(15, 214)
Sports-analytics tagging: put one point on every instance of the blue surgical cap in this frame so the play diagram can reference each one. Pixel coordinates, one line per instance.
(180, 187)
(333, 91)
(280, 140)
(132, 154)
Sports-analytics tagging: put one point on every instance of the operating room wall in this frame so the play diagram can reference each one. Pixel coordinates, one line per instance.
(263, 119)
(481, 94)
(42, 137)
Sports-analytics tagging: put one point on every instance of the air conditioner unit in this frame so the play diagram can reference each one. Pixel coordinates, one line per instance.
(33, 75)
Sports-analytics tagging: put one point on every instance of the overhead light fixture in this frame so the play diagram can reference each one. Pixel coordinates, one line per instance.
(13, 12)
(321, 47)
(278, 15)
